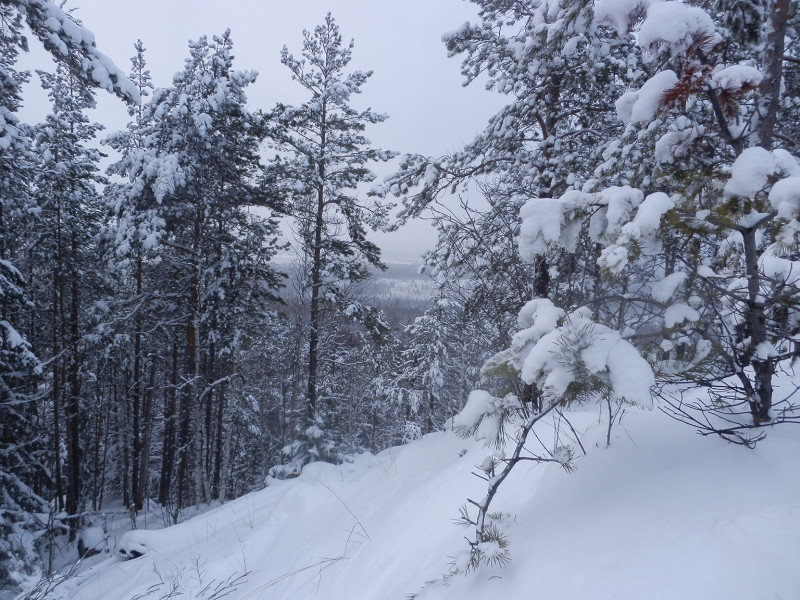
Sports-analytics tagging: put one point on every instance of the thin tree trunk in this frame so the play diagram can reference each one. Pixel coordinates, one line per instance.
(73, 429)
(56, 397)
(316, 277)
(772, 67)
(136, 392)
(219, 436)
(147, 429)
(225, 461)
(168, 443)
(99, 427)
(760, 395)
(313, 335)
(188, 399)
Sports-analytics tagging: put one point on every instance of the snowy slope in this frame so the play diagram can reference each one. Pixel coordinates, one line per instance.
(661, 513)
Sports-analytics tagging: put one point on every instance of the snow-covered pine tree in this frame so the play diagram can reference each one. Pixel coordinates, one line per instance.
(70, 44)
(557, 71)
(716, 227)
(323, 157)
(132, 234)
(73, 45)
(435, 370)
(193, 187)
(63, 264)
(21, 436)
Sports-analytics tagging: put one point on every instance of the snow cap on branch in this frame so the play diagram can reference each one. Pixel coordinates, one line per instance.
(63, 36)
(753, 170)
(620, 14)
(641, 105)
(678, 27)
(580, 349)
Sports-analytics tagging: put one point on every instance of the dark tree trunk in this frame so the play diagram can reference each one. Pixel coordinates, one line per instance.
(219, 435)
(759, 395)
(168, 443)
(313, 334)
(136, 393)
(316, 278)
(72, 406)
(185, 413)
(56, 397)
(147, 429)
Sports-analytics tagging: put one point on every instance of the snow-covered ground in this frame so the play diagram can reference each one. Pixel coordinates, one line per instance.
(661, 513)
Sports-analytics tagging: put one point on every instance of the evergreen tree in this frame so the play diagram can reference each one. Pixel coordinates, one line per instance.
(436, 369)
(21, 468)
(323, 159)
(24, 467)
(64, 248)
(193, 186)
(700, 260)
(69, 42)
(557, 70)
(133, 234)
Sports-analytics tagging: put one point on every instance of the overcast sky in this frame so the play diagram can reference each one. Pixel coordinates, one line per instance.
(414, 82)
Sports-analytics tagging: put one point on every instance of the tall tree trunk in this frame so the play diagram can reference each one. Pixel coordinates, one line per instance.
(201, 483)
(168, 442)
(56, 397)
(58, 337)
(147, 429)
(72, 406)
(313, 334)
(772, 68)
(224, 448)
(219, 436)
(188, 400)
(316, 277)
(136, 390)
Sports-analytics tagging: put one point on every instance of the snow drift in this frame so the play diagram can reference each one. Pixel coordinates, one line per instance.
(661, 513)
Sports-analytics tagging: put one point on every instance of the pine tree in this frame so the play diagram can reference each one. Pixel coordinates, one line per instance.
(557, 70)
(703, 256)
(193, 185)
(436, 369)
(68, 220)
(323, 158)
(21, 468)
(24, 468)
(133, 233)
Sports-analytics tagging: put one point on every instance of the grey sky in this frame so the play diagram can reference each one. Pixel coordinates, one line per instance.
(414, 82)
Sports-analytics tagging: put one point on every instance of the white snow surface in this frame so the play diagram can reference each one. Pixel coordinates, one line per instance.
(642, 105)
(662, 513)
(677, 26)
(750, 172)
